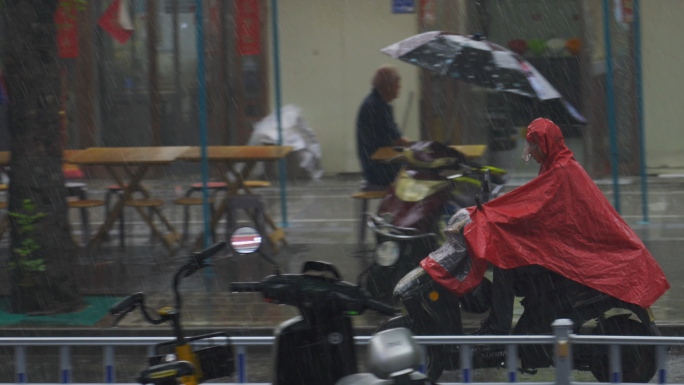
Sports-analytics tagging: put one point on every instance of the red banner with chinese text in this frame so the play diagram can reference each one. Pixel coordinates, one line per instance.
(67, 31)
(248, 28)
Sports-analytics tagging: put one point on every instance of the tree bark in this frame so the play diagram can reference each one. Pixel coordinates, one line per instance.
(153, 74)
(32, 80)
(85, 81)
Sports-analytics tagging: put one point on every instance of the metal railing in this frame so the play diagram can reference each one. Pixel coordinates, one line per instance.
(562, 340)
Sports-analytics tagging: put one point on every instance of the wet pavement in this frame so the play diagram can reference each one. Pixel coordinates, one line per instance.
(322, 222)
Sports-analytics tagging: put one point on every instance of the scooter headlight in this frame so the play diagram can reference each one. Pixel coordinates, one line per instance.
(387, 253)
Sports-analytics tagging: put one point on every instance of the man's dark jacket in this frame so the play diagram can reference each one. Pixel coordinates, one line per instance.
(375, 128)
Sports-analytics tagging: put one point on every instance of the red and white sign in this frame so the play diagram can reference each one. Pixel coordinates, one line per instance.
(117, 21)
(248, 27)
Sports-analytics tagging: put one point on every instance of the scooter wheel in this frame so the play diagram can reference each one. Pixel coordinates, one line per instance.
(434, 366)
(638, 361)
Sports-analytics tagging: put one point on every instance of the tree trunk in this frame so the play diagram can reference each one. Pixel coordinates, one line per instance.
(85, 79)
(32, 78)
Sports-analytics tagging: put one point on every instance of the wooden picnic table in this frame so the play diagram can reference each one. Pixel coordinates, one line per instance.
(5, 156)
(471, 151)
(224, 159)
(132, 163)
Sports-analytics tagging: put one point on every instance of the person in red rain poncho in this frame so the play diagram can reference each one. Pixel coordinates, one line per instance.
(561, 221)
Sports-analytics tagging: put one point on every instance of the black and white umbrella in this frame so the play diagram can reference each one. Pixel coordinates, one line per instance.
(478, 61)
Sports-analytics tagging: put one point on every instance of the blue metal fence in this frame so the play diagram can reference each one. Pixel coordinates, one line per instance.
(562, 340)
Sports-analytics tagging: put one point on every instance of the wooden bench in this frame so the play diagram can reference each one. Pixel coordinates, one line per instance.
(364, 197)
(257, 183)
(151, 204)
(186, 202)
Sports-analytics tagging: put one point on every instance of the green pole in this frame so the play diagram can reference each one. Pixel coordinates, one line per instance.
(282, 170)
(610, 99)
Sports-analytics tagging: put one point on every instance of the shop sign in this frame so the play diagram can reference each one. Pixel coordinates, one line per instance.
(403, 6)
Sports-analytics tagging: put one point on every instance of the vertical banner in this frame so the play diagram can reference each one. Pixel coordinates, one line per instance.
(624, 11)
(248, 27)
(628, 11)
(428, 13)
(67, 30)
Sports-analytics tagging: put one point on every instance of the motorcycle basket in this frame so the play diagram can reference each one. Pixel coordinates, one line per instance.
(216, 360)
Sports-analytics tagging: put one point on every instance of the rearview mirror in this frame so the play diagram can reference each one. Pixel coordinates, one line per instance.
(245, 240)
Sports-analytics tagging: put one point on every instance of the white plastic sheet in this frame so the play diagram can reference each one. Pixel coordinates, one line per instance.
(306, 149)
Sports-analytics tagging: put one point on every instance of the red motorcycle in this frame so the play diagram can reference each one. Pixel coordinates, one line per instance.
(436, 181)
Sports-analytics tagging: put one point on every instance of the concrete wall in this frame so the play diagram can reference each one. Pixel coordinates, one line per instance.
(662, 39)
(328, 52)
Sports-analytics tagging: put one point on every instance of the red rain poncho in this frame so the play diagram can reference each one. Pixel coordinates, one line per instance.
(562, 221)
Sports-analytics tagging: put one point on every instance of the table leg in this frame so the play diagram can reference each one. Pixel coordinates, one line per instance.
(135, 186)
(278, 235)
(112, 215)
(4, 224)
(135, 176)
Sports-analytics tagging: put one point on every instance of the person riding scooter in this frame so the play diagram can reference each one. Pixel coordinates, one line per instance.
(560, 221)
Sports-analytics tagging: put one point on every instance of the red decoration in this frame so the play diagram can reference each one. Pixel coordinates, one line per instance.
(248, 27)
(627, 11)
(427, 11)
(117, 21)
(67, 31)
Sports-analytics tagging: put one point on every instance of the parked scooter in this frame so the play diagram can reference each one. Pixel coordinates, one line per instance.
(436, 182)
(431, 309)
(318, 346)
(178, 361)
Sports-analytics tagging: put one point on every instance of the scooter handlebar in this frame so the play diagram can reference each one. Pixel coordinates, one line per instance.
(380, 307)
(208, 252)
(127, 304)
(242, 287)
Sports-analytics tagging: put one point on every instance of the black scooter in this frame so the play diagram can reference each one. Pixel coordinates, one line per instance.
(431, 309)
(318, 346)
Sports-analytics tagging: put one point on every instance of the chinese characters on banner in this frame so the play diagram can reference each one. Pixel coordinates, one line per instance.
(67, 31)
(248, 27)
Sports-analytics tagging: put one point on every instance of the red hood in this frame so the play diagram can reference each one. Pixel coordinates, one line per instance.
(562, 221)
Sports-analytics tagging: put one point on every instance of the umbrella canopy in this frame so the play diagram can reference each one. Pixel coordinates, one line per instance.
(478, 61)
